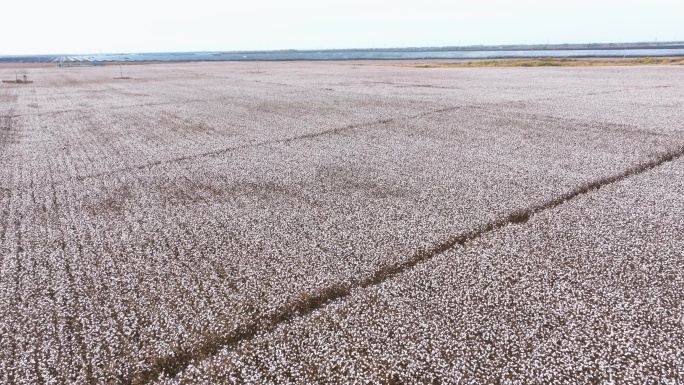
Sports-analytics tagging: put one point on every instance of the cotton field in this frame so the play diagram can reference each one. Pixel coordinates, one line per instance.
(341, 223)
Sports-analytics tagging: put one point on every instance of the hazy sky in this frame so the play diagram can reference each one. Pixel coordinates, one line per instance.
(77, 26)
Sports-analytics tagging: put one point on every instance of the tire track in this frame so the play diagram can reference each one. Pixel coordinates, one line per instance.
(305, 305)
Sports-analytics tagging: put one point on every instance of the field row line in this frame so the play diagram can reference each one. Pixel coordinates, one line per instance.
(306, 305)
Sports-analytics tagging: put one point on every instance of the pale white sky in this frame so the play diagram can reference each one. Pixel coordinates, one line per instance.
(80, 26)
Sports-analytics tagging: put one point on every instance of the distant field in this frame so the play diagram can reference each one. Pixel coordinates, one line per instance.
(546, 62)
(307, 222)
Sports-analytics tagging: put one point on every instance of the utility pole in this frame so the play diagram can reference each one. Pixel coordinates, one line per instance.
(120, 68)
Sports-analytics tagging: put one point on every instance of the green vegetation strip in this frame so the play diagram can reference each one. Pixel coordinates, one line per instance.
(552, 62)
